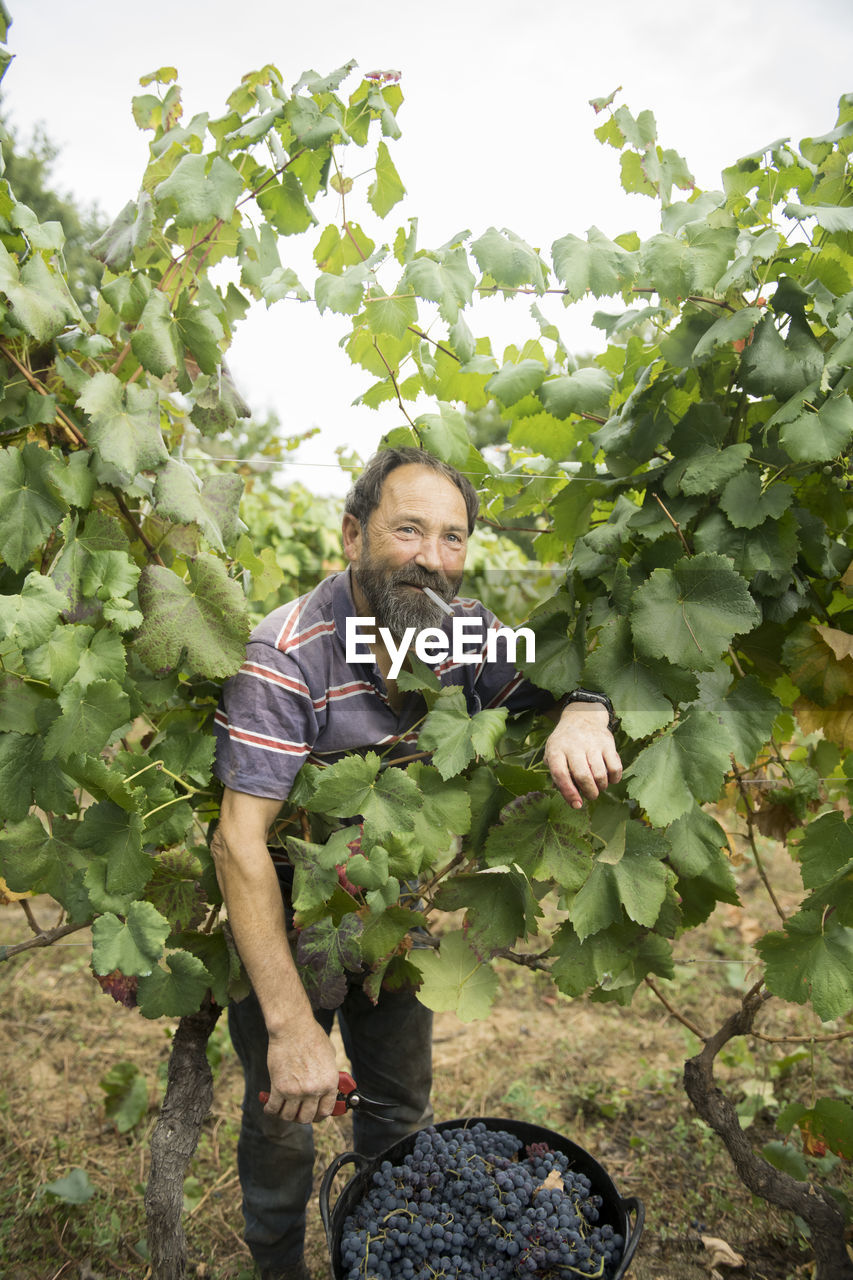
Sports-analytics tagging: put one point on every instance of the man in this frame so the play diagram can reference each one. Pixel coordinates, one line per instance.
(406, 528)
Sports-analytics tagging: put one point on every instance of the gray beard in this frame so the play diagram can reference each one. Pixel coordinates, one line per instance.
(397, 608)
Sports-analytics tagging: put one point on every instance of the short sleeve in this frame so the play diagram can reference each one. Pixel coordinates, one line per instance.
(265, 725)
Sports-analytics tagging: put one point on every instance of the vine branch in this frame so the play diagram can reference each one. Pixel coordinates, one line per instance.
(671, 1009)
(44, 939)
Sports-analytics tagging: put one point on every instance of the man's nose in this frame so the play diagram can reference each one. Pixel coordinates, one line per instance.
(429, 555)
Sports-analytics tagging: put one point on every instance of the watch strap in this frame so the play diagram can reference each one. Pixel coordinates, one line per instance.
(589, 695)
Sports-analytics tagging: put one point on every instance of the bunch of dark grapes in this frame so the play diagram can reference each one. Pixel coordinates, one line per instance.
(469, 1202)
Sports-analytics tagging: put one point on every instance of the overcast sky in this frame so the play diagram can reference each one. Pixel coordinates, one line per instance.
(496, 124)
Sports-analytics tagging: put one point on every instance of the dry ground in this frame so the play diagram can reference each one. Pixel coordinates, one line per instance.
(609, 1078)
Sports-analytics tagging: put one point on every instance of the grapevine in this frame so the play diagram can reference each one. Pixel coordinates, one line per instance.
(691, 481)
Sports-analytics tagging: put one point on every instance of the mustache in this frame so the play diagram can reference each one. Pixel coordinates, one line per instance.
(415, 575)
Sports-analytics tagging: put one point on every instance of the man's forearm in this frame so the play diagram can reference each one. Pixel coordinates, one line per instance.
(256, 915)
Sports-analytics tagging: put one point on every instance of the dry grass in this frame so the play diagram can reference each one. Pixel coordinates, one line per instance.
(607, 1077)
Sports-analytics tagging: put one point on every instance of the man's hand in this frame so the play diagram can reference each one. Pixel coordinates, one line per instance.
(303, 1075)
(581, 753)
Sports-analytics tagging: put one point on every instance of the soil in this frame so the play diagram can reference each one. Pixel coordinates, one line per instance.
(607, 1077)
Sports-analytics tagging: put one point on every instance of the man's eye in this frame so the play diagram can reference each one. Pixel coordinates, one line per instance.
(407, 528)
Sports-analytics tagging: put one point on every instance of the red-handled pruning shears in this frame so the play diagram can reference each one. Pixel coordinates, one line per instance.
(349, 1098)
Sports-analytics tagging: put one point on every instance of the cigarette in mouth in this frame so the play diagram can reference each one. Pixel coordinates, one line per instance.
(437, 600)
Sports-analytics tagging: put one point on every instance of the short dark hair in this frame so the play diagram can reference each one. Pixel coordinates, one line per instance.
(366, 494)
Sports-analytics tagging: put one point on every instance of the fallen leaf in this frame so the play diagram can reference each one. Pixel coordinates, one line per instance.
(553, 1182)
(720, 1253)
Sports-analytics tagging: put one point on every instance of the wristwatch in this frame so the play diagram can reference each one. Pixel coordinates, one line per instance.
(587, 695)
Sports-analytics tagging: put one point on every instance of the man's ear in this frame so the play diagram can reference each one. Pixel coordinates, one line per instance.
(351, 537)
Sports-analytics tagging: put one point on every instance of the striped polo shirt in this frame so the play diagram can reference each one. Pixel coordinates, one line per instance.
(296, 697)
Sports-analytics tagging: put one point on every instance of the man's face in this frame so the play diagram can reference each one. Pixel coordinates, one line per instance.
(417, 537)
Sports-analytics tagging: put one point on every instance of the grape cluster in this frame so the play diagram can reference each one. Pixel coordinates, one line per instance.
(469, 1202)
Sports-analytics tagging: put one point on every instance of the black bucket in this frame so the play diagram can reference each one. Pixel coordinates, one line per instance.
(614, 1209)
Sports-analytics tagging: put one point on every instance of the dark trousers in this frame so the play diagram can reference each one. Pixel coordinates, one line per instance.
(389, 1046)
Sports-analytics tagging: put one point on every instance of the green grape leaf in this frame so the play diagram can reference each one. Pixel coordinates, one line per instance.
(33, 861)
(124, 424)
(445, 434)
(779, 367)
(383, 933)
(515, 380)
(201, 623)
(315, 877)
(613, 961)
(175, 888)
(558, 662)
(394, 315)
(129, 231)
(642, 689)
(91, 718)
(831, 217)
(178, 497)
(134, 945)
(115, 836)
(811, 960)
(455, 738)
(20, 703)
(637, 884)
(705, 876)
(772, 548)
(126, 1100)
(689, 614)
(195, 193)
(597, 265)
(826, 850)
(176, 993)
(746, 712)
(499, 904)
(821, 436)
(387, 189)
(342, 293)
(369, 872)
(747, 504)
(545, 837)
(79, 653)
(386, 801)
(454, 979)
(38, 296)
(586, 392)
(28, 619)
(154, 341)
(224, 970)
(200, 331)
(787, 1159)
(267, 575)
(75, 1188)
(337, 250)
(683, 764)
(447, 280)
(420, 679)
(29, 505)
(284, 206)
(509, 260)
(20, 760)
(730, 328)
(709, 469)
(446, 810)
